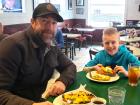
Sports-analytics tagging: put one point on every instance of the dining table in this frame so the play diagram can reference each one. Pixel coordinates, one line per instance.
(129, 40)
(135, 50)
(71, 35)
(85, 29)
(100, 89)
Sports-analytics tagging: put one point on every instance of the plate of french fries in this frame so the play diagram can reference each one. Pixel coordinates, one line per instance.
(95, 76)
(105, 74)
(80, 96)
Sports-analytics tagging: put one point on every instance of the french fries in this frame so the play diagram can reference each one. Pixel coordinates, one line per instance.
(78, 97)
(100, 77)
(106, 70)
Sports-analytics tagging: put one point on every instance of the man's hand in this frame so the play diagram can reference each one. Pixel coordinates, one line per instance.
(43, 103)
(57, 88)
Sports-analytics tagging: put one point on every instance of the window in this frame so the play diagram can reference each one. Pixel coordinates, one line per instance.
(102, 13)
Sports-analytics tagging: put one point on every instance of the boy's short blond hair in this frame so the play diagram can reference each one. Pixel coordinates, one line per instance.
(110, 31)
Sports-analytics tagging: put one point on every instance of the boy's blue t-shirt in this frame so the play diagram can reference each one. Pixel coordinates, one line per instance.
(122, 58)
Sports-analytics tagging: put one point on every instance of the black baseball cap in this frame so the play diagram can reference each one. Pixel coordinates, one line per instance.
(45, 9)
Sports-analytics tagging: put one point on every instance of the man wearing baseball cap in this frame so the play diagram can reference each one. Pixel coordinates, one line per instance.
(28, 59)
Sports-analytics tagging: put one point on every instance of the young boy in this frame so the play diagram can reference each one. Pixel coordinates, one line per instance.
(115, 55)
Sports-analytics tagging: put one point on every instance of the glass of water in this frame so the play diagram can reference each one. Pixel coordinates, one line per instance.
(116, 95)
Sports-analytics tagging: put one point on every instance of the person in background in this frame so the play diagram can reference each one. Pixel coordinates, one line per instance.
(28, 59)
(59, 38)
(65, 28)
(2, 36)
(115, 55)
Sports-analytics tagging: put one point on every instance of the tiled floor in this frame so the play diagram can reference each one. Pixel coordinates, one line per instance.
(83, 57)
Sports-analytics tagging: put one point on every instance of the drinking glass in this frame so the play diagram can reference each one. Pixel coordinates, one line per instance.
(116, 95)
(133, 74)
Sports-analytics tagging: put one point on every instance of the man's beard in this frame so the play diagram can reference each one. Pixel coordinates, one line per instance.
(47, 39)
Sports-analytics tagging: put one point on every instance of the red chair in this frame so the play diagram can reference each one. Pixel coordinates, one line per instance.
(97, 36)
(89, 37)
(65, 30)
(80, 39)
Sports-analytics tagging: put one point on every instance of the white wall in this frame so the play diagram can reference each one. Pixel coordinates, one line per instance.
(24, 17)
(64, 12)
(16, 18)
(85, 13)
(132, 7)
(132, 12)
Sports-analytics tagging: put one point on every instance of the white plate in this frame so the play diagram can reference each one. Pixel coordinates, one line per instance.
(59, 101)
(112, 79)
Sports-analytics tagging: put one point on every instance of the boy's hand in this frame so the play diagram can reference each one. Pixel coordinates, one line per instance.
(92, 68)
(121, 69)
(88, 69)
